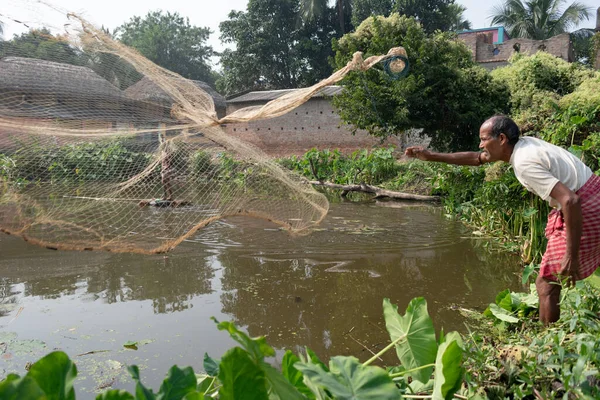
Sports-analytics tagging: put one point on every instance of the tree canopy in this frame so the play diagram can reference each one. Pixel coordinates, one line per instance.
(171, 42)
(273, 48)
(539, 19)
(432, 14)
(444, 93)
(41, 44)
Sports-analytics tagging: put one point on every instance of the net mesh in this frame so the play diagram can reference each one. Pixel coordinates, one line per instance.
(101, 149)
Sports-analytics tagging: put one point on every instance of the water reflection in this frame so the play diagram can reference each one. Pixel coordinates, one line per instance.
(323, 290)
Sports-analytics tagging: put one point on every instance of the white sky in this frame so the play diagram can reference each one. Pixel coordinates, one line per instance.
(204, 13)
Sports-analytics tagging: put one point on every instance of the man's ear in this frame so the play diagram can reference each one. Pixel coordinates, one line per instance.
(503, 138)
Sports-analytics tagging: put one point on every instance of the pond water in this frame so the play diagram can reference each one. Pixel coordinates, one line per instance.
(323, 291)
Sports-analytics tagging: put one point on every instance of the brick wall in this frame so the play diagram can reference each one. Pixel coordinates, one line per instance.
(313, 124)
(559, 46)
(486, 52)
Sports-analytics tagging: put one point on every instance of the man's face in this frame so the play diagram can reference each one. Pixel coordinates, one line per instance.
(491, 145)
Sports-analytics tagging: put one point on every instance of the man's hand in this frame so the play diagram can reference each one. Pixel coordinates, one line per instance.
(417, 152)
(569, 268)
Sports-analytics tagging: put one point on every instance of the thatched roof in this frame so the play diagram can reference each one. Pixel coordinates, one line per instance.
(30, 75)
(46, 89)
(146, 90)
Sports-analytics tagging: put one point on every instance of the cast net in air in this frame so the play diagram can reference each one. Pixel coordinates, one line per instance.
(100, 149)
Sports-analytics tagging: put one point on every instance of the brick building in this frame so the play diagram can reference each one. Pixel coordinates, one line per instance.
(492, 47)
(313, 124)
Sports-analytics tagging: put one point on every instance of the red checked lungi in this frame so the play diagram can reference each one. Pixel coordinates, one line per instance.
(589, 250)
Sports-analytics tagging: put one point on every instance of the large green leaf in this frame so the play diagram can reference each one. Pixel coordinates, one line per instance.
(448, 368)
(55, 374)
(292, 374)
(211, 366)
(115, 395)
(280, 387)
(141, 392)
(178, 383)
(502, 314)
(257, 347)
(348, 379)
(241, 378)
(312, 359)
(419, 347)
(15, 388)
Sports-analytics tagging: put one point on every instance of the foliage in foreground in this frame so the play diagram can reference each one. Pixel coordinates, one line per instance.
(428, 365)
(506, 355)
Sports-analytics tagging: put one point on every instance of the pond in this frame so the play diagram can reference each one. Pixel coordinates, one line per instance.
(323, 291)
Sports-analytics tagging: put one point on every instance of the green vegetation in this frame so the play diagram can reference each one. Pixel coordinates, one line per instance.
(445, 94)
(539, 19)
(429, 365)
(102, 161)
(505, 355)
(169, 40)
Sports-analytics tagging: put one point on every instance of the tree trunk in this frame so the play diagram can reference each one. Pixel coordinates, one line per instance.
(378, 192)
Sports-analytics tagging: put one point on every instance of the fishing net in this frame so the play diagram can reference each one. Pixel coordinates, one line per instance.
(100, 149)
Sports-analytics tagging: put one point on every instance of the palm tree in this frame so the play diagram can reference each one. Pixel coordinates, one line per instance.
(457, 18)
(311, 9)
(539, 19)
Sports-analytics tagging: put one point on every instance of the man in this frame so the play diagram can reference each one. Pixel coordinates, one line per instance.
(554, 174)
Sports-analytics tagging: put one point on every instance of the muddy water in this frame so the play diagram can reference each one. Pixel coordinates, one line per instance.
(323, 291)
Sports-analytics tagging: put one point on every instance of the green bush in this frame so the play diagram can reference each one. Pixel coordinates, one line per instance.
(101, 161)
(537, 83)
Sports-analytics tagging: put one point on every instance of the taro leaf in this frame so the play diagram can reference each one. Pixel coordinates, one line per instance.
(294, 376)
(501, 295)
(448, 370)
(115, 395)
(348, 379)
(527, 273)
(211, 366)
(141, 392)
(507, 302)
(257, 347)
(55, 374)
(315, 359)
(15, 388)
(419, 347)
(502, 314)
(241, 378)
(280, 388)
(311, 358)
(178, 383)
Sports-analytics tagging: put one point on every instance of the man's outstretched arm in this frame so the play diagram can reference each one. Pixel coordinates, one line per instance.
(464, 158)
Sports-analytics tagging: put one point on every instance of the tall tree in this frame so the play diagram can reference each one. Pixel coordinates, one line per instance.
(539, 19)
(432, 14)
(273, 51)
(444, 93)
(457, 18)
(171, 42)
(41, 44)
(363, 9)
(314, 9)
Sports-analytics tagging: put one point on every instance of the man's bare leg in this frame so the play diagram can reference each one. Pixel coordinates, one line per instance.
(549, 294)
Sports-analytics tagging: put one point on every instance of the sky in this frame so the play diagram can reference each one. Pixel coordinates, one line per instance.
(204, 13)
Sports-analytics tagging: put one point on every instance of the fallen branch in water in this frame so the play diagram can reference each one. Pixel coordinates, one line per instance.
(378, 192)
